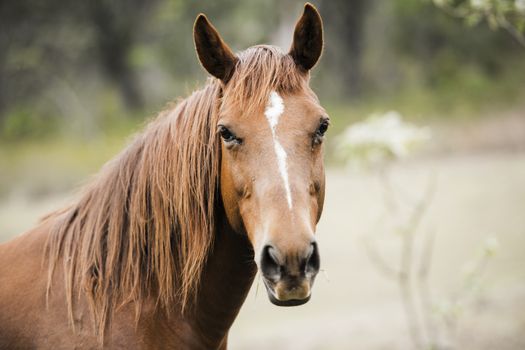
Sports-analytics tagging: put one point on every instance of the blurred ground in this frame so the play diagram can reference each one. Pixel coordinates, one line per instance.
(353, 305)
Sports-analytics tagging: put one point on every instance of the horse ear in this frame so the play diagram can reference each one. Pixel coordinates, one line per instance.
(215, 56)
(307, 38)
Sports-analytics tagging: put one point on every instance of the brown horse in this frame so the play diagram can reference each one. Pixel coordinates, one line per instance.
(161, 248)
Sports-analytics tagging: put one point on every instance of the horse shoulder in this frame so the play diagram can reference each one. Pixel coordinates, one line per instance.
(22, 286)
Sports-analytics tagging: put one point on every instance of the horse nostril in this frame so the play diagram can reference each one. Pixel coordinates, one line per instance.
(270, 266)
(313, 261)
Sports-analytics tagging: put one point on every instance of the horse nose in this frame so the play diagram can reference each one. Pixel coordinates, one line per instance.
(313, 261)
(271, 267)
(276, 265)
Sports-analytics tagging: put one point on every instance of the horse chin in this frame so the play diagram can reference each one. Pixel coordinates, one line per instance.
(291, 302)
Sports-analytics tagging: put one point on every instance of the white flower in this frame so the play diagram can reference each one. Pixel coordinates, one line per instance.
(380, 138)
(520, 5)
(478, 4)
(491, 246)
(449, 309)
(440, 3)
(469, 269)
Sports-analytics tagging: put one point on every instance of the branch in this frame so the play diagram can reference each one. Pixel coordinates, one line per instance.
(518, 36)
(378, 260)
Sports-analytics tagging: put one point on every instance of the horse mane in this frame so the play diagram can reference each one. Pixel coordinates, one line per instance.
(145, 225)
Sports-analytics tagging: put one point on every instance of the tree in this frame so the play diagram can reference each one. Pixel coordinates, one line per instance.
(344, 40)
(117, 23)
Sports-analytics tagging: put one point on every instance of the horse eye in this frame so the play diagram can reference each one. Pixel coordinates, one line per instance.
(323, 127)
(319, 133)
(226, 134)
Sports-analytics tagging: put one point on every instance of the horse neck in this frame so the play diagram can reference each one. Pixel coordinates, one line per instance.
(226, 280)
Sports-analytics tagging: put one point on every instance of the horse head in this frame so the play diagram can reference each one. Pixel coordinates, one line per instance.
(272, 127)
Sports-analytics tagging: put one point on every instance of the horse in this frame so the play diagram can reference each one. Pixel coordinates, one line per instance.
(160, 249)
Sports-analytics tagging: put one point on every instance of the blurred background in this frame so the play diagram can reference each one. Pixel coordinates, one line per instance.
(423, 235)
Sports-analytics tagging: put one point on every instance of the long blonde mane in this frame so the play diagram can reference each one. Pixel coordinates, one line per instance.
(144, 227)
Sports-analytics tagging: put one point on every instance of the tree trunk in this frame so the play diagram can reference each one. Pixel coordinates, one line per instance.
(344, 41)
(116, 25)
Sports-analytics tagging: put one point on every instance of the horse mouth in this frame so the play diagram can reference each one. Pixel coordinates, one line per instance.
(279, 302)
(291, 302)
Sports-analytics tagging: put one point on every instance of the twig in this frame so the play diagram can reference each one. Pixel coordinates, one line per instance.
(406, 277)
(519, 37)
(500, 18)
(388, 191)
(380, 263)
(424, 287)
(405, 282)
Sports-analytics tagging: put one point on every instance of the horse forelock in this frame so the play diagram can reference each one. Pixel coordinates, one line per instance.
(260, 70)
(145, 225)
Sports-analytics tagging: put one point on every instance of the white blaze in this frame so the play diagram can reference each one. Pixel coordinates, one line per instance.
(273, 111)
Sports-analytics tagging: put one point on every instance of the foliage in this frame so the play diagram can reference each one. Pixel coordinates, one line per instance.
(81, 67)
(380, 138)
(506, 14)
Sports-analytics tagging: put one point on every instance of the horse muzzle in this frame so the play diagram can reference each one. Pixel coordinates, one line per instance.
(289, 278)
